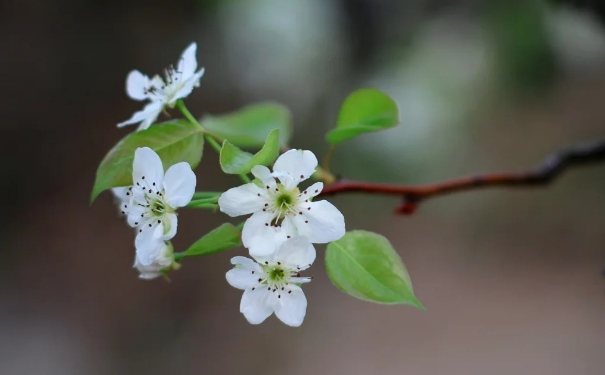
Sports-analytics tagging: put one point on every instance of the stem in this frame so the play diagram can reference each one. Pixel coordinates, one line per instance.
(205, 194)
(209, 137)
(552, 167)
(327, 158)
(181, 106)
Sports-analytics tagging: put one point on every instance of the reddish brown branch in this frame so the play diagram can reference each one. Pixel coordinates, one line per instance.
(553, 166)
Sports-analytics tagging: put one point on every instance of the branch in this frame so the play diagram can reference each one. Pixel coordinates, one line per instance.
(552, 167)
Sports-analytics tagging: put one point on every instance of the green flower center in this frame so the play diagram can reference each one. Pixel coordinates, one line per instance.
(158, 207)
(276, 274)
(284, 199)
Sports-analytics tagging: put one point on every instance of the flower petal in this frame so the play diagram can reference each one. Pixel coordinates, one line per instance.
(179, 185)
(168, 227)
(298, 164)
(136, 85)
(146, 116)
(245, 274)
(260, 237)
(187, 86)
(264, 174)
(188, 63)
(242, 200)
(148, 247)
(120, 193)
(256, 305)
(297, 251)
(292, 307)
(147, 169)
(320, 221)
(311, 191)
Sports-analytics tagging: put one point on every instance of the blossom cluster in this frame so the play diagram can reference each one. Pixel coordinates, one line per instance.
(284, 224)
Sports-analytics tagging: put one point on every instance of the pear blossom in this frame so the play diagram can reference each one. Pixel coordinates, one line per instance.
(162, 263)
(279, 209)
(177, 84)
(153, 200)
(271, 284)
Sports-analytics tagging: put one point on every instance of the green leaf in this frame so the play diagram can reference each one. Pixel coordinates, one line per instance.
(250, 126)
(364, 111)
(222, 238)
(235, 161)
(365, 265)
(174, 141)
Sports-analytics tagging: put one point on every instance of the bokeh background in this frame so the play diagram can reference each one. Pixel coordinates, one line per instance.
(512, 279)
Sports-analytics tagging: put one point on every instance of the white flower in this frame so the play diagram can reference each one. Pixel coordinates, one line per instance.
(154, 198)
(177, 84)
(270, 284)
(163, 262)
(279, 210)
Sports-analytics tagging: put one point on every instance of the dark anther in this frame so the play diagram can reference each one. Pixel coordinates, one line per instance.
(266, 262)
(279, 263)
(253, 288)
(159, 221)
(143, 177)
(266, 224)
(305, 192)
(127, 193)
(149, 225)
(267, 186)
(266, 204)
(278, 296)
(317, 191)
(253, 272)
(289, 291)
(289, 237)
(301, 176)
(282, 288)
(258, 194)
(259, 280)
(150, 191)
(300, 213)
(268, 288)
(140, 230)
(154, 184)
(123, 212)
(306, 221)
(142, 215)
(309, 208)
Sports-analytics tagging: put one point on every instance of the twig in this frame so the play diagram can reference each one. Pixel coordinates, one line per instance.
(553, 166)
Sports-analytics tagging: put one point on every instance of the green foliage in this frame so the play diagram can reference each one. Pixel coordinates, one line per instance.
(250, 126)
(174, 141)
(235, 161)
(364, 111)
(365, 265)
(222, 238)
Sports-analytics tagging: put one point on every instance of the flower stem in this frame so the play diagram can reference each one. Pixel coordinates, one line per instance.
(181, 106)
(210, 138)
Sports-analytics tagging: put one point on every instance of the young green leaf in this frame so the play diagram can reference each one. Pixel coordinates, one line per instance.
(235, 161)
(222, 238)
(174, 141)
(250, 126)
(364, 111)
(365, 265)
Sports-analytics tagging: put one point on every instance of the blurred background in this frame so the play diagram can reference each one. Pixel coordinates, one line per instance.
(512, 280)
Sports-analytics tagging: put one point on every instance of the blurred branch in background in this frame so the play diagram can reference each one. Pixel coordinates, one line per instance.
(552, 167)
